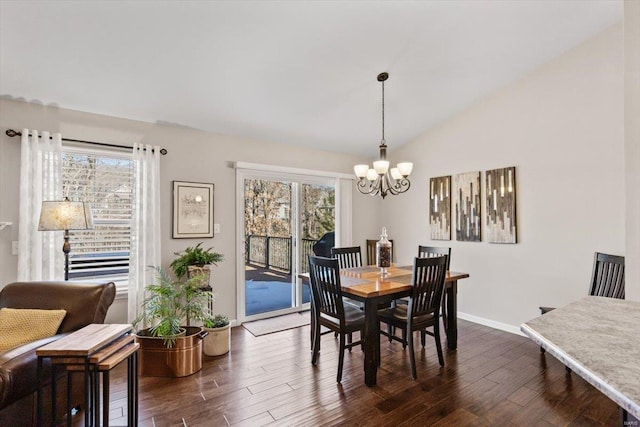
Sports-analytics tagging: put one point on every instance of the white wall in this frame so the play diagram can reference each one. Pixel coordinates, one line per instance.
(193, 156)
(632, 145)
(562, 127)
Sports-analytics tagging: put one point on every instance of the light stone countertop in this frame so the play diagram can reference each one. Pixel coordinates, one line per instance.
(599, 339)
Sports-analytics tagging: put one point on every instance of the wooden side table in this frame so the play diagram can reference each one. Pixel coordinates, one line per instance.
(93, 349)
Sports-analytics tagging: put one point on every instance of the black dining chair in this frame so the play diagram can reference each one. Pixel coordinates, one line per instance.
(348, 257)
(371, 251)
(329, 309)
(429, 252)
(607, 278)
(433, 251)
(423, 309)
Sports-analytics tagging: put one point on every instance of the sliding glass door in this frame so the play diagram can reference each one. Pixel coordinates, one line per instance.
(284, 216)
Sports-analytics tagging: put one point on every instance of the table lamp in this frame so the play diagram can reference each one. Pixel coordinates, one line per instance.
(65, 215)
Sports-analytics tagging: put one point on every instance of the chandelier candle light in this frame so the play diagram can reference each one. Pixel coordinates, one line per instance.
(380, 179)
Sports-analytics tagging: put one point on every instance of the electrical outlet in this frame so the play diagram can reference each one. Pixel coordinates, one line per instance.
(14, 247)
(216, 228)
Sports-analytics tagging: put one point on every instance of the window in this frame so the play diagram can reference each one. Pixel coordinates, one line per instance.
(104, 179)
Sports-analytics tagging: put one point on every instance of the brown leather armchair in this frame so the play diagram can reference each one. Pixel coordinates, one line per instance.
(85, 303)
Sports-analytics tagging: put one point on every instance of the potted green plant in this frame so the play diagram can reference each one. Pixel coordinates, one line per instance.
(218, 340)
(196, 261)
(166, 347)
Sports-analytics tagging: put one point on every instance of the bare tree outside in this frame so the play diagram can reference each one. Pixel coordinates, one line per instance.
(105, 181)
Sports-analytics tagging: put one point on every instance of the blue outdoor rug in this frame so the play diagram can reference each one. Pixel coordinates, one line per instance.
(261, 297)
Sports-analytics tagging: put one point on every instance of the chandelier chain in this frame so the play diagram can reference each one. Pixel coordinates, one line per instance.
(383, 141)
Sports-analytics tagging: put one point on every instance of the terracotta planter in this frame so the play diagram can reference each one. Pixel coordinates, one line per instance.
(184, 358)
(218, 341)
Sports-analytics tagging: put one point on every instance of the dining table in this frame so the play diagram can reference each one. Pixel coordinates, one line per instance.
(372, 287)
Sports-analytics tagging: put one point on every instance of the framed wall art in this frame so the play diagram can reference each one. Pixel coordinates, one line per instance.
(192, 210)
(501, 205)
(466, 188)
(440, 208)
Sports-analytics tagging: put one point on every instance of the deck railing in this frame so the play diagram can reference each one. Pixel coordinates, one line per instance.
(276, 252)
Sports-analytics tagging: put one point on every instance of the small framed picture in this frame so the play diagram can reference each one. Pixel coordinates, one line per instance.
(192, 210)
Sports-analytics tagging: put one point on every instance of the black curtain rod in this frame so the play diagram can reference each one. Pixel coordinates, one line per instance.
(11, 133)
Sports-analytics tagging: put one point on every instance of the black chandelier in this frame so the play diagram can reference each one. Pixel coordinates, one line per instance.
(380, 179)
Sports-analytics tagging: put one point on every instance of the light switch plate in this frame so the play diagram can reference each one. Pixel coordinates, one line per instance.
(14, 247)
(216, 228)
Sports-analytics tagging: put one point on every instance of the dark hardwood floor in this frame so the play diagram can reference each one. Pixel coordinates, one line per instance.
(493, 379)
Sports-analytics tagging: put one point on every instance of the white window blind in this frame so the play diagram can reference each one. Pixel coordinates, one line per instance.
(103, 179)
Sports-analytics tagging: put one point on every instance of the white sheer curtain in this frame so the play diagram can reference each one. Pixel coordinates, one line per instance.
(145, 224)
(40, 254)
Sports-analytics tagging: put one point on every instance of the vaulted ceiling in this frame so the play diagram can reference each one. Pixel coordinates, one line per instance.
(300, 73)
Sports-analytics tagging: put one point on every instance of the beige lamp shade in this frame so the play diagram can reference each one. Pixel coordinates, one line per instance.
(65, 215)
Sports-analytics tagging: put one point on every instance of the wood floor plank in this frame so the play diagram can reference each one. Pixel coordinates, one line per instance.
(493, 379)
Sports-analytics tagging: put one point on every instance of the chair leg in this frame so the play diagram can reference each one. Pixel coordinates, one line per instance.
(444, 310)
(404, 338)
(341, 357)
(412, 357)
(436, 334)
(542, 350)
(423, 336)
(391, 331)
(349, 340)
(567, 369)
(315, 349)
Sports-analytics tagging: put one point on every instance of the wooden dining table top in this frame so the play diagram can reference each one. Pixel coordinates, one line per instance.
(367, 281)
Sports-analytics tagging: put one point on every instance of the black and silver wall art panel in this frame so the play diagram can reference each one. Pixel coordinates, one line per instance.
(440, 208)
(466, 187)
(501, 205)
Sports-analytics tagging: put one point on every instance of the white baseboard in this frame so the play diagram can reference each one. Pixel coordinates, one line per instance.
(491, 323)
(471, 318)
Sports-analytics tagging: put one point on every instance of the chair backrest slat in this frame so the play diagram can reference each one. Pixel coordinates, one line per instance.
(432, 251)
(325, 287)
(348, 257)
(607, 279)
(428, 286)
(371, 251)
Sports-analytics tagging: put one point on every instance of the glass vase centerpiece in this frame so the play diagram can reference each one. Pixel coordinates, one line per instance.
(383, 252)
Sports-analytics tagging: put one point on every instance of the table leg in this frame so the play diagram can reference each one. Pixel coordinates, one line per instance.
(105, 399)
(451, 327)
(54, 394)
(135, 389)
(130, 390)
(371, 341)
(69, 396)
(39, 414)
(96, 396)
(87, 394)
